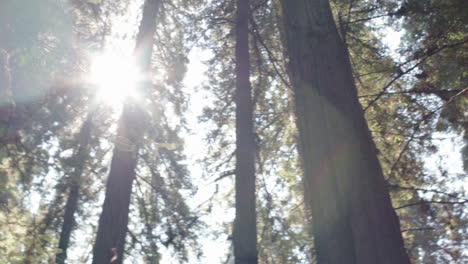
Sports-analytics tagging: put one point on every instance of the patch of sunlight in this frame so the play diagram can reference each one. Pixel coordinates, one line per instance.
(115, 77)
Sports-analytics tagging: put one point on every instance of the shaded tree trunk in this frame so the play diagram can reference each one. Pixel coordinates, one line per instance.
(71, 205)
(110, 240)
(7, 104)
(245, 231)
(352, 216)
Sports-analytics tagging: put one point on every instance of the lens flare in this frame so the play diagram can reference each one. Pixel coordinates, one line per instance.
(115, 78)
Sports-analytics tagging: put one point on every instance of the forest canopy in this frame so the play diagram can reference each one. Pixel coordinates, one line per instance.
(236, 131)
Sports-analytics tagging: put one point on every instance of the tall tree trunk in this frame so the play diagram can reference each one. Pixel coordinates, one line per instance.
(110, 240)
(7, 105)
(81, 157)
(245, 231)
(352, 216)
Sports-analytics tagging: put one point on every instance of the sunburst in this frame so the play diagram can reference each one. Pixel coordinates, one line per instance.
(115, 77)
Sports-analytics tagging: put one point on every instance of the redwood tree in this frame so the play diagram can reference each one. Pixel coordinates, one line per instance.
(352, 216)
(81, 157)
(245, 231)
(110, 241)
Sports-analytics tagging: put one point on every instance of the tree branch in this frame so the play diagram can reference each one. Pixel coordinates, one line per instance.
(416, 129)
(429, 53)
(431, 202)
(417, 229)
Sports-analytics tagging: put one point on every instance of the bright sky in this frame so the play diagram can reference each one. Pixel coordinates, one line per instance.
(215, 248)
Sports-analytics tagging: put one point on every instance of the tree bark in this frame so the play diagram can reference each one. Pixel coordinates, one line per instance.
(245, 231)
(71, 205)
(352, 216)
(110, 240)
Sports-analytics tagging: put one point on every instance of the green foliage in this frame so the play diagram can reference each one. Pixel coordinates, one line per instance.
(412, 96)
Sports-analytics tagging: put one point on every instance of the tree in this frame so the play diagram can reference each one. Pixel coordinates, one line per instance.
(112, 229)
(81, 157)
(36, 114)
(413, 98)
(7, 105)
(245, 227)
(352, 216)
(281, 233)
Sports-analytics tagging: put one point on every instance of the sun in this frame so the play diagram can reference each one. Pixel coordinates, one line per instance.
(115, 77)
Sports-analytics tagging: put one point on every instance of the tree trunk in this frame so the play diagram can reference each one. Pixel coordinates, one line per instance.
(352, 216)
(110, 240)
(75, 183)
(245, 231)
(7, 105)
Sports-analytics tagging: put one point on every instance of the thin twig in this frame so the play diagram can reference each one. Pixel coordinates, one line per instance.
(431, 202)
(417, 229)
(424, 190)
(414, 91)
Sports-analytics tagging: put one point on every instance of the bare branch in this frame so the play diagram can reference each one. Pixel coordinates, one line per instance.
(402, 73)
(417, 229)
(431, 202)
(416, 129)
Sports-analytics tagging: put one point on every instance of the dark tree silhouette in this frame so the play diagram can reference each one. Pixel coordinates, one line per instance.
(245, 231)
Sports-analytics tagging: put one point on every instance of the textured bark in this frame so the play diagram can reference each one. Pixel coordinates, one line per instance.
(352, 216)
(71, 205)
(110, 240)
(245, 231)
